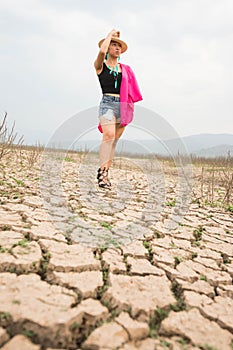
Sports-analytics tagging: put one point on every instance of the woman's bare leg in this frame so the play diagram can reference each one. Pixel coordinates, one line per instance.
(118, 132)
(109, 130)
(112, 131)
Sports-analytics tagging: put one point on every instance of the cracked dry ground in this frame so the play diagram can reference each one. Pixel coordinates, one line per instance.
(169, 287)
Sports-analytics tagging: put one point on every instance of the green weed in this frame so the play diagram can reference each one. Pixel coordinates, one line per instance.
(75, 326)
(4, 315)
(183, 341)
(6, 227)
(19, 182)
(178, 259)
(29, 333)
(203, 278)
(106, 225)
(146, 244)
(178, 293)
(155, 321)
(197, 233)
(165, 343)
(22, 243)
(171, 203)
(68, 159)
(225, 258)
(208, 347)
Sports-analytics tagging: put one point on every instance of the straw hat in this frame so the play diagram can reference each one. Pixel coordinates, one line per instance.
(118, 40)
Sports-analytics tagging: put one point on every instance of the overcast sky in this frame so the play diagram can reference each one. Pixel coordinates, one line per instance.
(180, 50)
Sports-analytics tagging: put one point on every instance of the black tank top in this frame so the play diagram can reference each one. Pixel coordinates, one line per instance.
(107, 81)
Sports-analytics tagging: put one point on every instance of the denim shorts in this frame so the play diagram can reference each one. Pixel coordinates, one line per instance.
(109, 107)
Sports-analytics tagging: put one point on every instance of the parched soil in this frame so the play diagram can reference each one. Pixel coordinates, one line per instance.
(147, 265)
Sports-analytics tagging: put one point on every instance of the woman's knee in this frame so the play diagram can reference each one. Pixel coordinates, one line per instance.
(109, 136)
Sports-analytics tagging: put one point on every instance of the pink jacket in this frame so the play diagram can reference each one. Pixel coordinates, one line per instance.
(129, 94)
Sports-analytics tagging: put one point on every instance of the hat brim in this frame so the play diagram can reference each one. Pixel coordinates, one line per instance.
(124, 46)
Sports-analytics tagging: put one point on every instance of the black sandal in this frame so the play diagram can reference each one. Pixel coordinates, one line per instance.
(102, 177)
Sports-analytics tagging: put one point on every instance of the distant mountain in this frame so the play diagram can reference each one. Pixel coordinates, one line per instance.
(205, 145)
(195, 143)
(217, 151)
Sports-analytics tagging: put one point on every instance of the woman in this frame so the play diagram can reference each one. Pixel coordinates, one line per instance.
(120, 91)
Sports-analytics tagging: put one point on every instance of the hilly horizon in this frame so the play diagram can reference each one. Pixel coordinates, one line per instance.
(206, 145)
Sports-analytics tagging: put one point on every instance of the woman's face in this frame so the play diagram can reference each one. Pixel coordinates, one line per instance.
(114, 49)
